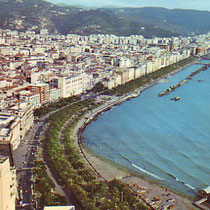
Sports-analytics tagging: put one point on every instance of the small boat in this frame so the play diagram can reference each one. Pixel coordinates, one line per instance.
(175, 98)
(161, 94)
(200, 80)
(135, 95)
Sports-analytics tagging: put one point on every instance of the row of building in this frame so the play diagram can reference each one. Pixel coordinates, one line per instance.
(37, 69)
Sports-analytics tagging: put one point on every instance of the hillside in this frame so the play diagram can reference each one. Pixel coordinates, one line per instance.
(175, 20)
(149, 22)
(96, 21)
(31, 14)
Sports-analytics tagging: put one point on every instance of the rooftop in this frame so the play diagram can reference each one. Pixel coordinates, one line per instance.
(4, 132)
(3, 158)
(6, 152)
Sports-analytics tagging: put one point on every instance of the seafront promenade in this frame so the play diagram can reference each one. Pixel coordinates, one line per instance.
(156, 196)
(107, 171)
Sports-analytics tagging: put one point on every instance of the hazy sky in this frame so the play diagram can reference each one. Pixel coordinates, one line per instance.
(184, 4)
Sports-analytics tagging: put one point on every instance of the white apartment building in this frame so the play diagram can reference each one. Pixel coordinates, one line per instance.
(117, 79)
(137, 72)
(55, 94)
(70, 85)
(125, 62)
(33, 98)
(149, 68)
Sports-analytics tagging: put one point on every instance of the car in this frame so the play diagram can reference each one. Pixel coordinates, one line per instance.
(25, 204)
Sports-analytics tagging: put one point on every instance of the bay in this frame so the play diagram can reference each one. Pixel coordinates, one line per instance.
(166, 140)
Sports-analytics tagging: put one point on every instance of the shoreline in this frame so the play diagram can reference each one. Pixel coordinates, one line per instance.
(145, 188)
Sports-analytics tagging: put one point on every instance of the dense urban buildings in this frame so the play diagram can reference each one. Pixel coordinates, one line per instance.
(37, 69)
(41, 68)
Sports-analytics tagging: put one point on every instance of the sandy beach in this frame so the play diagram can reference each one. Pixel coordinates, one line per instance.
(154, 195)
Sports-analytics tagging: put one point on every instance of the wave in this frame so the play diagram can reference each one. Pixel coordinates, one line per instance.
(125, 159)
(88, 142)
(157, 177)
(180, 181)
(147, 172)
(141, 169)
(171, 175)
(189, 186)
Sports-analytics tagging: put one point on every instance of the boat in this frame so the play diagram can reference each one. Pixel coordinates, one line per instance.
(175, 98)
(161, 94)
(135, 95)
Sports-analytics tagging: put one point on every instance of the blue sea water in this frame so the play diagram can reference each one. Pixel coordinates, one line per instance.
(166, 140)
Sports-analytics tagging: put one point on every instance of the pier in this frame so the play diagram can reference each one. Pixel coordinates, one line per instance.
(204, 194)
(173, 88)
(200, 202)
(205, 64)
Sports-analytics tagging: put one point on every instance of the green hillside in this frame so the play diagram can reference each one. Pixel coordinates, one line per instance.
(149, 21)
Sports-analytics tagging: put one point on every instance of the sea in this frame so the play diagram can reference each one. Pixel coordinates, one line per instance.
(164, 140)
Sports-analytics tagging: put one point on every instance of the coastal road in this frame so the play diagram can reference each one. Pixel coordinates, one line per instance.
(25, 154)
(24, 157)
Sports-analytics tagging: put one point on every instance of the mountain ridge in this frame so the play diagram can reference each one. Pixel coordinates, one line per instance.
(182, 21)
(147, 21)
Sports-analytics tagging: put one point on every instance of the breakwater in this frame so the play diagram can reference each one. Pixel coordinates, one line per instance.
(187, 79)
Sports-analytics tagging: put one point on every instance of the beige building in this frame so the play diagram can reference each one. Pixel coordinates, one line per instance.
(109, 83)
(24, 110)
(131, 74)
(42, 90)
(10, 130)
(137, 72)
(124, 76)
(70, 85)
(8, 182)
(117, 80)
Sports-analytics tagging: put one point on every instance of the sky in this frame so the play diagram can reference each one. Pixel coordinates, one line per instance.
(171, 4)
